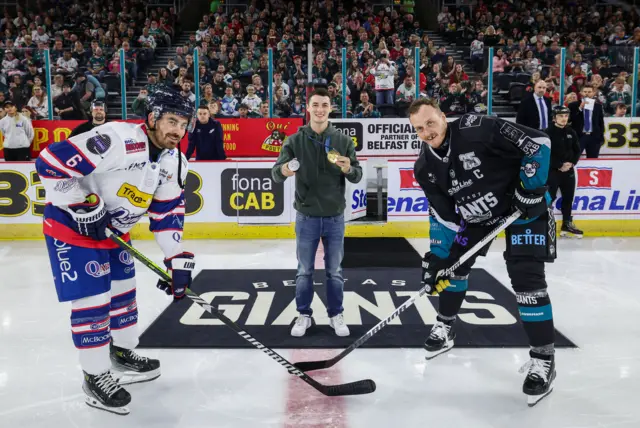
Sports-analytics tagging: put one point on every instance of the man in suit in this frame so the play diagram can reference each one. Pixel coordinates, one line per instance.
(535, 109)
(587, 118)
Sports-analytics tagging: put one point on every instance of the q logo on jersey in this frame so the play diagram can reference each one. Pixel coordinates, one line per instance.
(251, 192)
(137, 197)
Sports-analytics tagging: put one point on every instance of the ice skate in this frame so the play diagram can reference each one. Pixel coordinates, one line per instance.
(132, 368)
(540, 378)
(440, 339)
(104, 393)
(570, 230)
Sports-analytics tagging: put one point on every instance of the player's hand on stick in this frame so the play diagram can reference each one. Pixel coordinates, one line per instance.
(180, 268)
(531, 202)
(431, 265)
(91, 217)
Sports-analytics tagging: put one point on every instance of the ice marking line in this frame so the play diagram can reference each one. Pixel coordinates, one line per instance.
(42, 403)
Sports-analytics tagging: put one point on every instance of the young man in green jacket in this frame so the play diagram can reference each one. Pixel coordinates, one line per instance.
(321, 158)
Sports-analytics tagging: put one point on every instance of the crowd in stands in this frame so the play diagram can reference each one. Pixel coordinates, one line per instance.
(527, 38)
(84, 39)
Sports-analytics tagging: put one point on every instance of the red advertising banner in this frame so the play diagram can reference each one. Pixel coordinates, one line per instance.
(594, 178)
(242, 137)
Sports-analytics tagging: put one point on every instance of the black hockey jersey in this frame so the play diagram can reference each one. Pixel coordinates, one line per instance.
(486, 158)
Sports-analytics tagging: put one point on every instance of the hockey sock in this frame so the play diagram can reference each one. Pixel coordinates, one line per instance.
(124, 313)
(90, 332)
(537, 318)
(451, 299)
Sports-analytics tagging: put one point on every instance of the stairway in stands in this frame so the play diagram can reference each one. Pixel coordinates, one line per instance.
(163, 54)
(501, 105)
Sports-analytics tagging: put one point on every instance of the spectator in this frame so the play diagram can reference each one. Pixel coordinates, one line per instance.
(500, 61)
(384, 79)
(165, 77)
(454, 102)
(264, 110)
(186, 91)
(477, 53)
(88, 89)
(97, 64)
(477, 98)
(214, 108)
(140, 103)
(66, 106)
(228, 103)
(252, 100)
(406, 92)
(621, 111)
(618, 95)
(366, 109)
(39, 103)
(67, 65)
(298, 108)
(57, 87)
(18, 134)
(98, 117)
(336, 100)
(243, 111)
(535, 109)
(278, 83)
(281, 105)
(458, 75)
(206, 139)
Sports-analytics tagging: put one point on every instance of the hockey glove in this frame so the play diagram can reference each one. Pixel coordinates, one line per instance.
(91, 217)
(531, 202)
(180, 268)
(164, 286)
(431, 265)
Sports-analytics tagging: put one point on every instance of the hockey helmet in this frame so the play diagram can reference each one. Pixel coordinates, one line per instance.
(167, 100)
(559, 110)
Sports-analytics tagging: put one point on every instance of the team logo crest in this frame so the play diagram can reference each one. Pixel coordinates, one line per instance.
(469, 161)
(99, 144)
(274, 142)
(530, 168)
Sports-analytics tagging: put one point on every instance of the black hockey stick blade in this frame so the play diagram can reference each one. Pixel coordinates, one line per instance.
(360, 387)
(354, 388)
(307, 366)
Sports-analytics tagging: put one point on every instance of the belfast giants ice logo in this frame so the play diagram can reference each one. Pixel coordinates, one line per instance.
(529, 238)
(97, 270)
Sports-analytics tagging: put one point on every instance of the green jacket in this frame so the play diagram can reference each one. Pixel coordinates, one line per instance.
(320, 184)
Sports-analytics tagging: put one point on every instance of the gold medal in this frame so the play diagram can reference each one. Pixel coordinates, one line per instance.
(333, 156)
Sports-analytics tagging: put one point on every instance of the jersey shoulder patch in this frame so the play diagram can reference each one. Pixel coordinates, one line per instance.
(470, 121)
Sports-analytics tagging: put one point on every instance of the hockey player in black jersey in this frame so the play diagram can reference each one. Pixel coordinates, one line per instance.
(565, 152)
(475, 171)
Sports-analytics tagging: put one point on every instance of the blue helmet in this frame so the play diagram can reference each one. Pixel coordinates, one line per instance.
(167, 100)
(560, 110)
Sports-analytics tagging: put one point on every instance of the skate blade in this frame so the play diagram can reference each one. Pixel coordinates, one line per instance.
(432, 354)
(96, 404)
(532, 400)
(130, 377)
(570, 235)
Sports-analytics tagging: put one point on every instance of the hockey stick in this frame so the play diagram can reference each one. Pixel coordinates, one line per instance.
(306, 366)
(366, 386)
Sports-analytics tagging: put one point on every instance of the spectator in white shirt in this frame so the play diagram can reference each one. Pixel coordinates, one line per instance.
(39, 103)
(40, 36)
(18, 134)
(406, 92)
(384, 72)
(67, 64)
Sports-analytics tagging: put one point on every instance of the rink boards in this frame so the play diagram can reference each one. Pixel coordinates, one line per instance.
(238, 199)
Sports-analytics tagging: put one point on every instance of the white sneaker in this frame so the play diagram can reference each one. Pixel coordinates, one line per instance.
(339, 326)
(300, 327)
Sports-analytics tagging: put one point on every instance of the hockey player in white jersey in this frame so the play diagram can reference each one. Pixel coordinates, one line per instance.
(110, 177)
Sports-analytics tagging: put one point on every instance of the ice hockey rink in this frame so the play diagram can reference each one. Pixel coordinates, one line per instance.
(595, 292)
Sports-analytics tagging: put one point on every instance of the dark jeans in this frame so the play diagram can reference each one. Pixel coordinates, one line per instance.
(384, 96)
(17, 155)
(591, 143)
(309, 231)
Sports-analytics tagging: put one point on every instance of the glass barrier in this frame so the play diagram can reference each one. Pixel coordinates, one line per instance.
(61, 83)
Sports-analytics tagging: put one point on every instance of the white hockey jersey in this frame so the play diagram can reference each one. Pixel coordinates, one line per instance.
(112, 161)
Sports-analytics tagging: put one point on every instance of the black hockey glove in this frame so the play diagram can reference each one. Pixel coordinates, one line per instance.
(91, 217)
(531, 202)
(431, 265)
